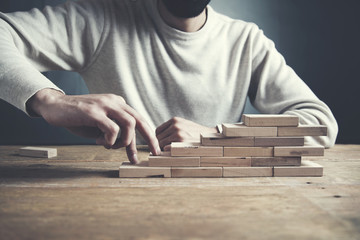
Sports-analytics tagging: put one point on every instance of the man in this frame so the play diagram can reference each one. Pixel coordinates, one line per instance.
(146, 61)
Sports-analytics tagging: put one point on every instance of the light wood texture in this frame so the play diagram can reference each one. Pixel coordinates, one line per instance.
(200, 172)
(78, 195)
(275, 161)
(166, 160)
(240, 130)
(247, 172)
(278, 141)
(302, 131)
(218, 139)
(307, 169)
(299, 151)
(225, 162)
(40, 152)
(248, 151)
(182, 149)
(269, 120)
(142, 170)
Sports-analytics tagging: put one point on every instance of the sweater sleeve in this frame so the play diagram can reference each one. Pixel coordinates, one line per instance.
(55, 38)
(276, 88)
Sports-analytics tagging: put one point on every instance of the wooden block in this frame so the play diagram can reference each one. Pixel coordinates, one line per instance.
(38, 152)
(240, 130)
(142, 170)
(302, 131)
(247, 172)
(307, 169)
(299, 151)
(192, 172)
(278, 141)
(183, 149)
(275, 161)
(218, 139)
(166, 160)
(225, 162)
(248, 151)
(270, 120)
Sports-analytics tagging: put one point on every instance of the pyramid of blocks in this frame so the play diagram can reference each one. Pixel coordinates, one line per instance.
(262, 145)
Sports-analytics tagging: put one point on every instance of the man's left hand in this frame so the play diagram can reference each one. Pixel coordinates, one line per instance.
(181, 130)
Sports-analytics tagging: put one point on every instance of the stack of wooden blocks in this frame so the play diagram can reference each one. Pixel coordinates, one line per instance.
(261, 146)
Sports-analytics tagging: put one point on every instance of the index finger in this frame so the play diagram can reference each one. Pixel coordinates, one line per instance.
(145, 130)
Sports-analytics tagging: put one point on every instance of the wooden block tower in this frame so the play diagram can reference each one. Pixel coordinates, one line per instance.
(262, 145)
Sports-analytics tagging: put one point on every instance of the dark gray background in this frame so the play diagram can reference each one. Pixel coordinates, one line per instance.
(318, 38)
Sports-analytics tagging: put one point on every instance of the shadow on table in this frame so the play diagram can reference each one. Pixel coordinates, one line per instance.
(44, 171)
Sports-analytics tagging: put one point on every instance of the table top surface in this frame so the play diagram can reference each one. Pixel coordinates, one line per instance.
(79, 195)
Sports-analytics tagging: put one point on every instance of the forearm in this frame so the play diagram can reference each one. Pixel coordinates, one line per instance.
(56, 38)
(19, 79)
(317, 114)
(276, 88)
(285, 93)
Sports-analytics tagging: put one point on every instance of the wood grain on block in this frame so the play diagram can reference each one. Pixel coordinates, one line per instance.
(278, 141)
(302, 131)
(142, 170)
(275, 161)
(248, 151)
(166, 160)
(240, 130)
(38, 152)
(269, 120)
(183, 149)
(218, 139)
(225, 162)
(247, 172)
(307, 169)
(299, 151)
(195, 172)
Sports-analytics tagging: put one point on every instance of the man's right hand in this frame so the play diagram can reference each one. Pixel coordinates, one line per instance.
(99, 116)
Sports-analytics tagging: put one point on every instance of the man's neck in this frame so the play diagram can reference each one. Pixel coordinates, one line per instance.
(183, 24)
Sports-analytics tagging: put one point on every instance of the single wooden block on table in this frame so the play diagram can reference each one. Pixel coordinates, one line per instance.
(299, 151)
(142, 170)
(183, 149)
(270, 120)
(38, 152)
(307, 169)
(278, 141)
(302, 131)
(240, 130)
(247, 172)
(196, 172)
(218, 139)
(225, 162)
(166, 160)
(248, 151)
(275, 161)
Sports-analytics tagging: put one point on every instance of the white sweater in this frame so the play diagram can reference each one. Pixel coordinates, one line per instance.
(124, 47)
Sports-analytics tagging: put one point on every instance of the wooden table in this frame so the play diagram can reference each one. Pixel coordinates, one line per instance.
(78, 195)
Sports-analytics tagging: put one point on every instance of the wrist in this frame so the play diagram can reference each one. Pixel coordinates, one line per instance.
(38, 103)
